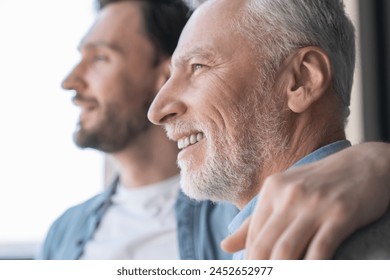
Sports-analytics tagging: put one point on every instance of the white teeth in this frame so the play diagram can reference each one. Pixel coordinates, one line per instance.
(186, 142)
(189, 140)
(193, 139)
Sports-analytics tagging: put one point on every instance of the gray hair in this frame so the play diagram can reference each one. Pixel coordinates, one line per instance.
(193, 4)
(278, 27)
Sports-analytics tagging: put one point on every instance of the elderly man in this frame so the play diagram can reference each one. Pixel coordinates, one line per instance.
(257, 87)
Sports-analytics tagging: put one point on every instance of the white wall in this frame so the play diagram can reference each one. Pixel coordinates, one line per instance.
(355, 124)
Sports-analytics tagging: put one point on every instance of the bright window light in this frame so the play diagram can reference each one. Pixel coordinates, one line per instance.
(42, 172)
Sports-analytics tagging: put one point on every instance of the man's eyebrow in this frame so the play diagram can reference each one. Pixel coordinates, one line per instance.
(97, 44)
(180, 60)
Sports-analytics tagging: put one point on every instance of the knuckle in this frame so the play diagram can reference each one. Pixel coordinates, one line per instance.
(258, 253)
(250, 239)
(274, 181)
(316, 199)
(283, 250)
(294, 194)
(341, 212)
(321, 249)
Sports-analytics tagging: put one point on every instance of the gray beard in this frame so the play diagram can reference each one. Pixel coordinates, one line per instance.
(231, 170)
(223, 177)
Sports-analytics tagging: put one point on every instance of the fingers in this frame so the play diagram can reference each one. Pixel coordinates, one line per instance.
(289, 235)
(262, 245)
(323, 246)
(267, 225)
(328, 239)
(259, 218)
(285, 220)
(323, 203)
(293, 242)
(236, 241)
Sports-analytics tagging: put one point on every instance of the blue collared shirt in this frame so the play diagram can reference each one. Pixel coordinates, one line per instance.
(312, 157)
(201, 227)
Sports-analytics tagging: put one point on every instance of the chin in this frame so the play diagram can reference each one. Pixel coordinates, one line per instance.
(216, 178)
(190, 181)
(192, 189)
(202, 184)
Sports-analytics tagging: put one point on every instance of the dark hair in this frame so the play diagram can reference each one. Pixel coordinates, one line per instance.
(163, 21)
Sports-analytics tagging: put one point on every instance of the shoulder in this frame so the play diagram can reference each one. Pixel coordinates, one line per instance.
(371, 242)
(82, 210)
(70, 225)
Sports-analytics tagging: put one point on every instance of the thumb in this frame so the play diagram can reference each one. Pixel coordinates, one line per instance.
(236, 241)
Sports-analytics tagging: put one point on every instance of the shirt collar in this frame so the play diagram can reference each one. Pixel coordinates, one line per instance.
(103, 200)
(323, 152)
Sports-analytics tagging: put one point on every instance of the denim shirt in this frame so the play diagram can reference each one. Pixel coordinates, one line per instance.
(201, 227)
(312, 157)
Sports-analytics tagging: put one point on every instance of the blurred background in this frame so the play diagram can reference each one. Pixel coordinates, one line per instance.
(42, 172)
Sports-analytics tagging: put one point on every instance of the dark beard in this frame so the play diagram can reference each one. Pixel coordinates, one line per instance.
(113, 134)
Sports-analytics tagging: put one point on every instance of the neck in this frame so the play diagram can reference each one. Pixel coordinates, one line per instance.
(148, 160)
(305, 137)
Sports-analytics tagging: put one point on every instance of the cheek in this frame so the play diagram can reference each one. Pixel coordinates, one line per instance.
(224, 119)
(226, 92)
(101, 85)
(216, 102)
(218, 138)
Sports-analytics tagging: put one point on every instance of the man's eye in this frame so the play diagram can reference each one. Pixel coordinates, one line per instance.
(196, 67)
(100, 57)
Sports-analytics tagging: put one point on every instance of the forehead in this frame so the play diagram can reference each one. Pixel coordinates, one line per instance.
(210, 31)
(117, 24)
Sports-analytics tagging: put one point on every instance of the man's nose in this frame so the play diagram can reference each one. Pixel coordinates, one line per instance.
(167, 105)
(74, 80)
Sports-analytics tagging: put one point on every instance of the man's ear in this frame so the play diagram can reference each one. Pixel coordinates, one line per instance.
(164, 72)
(308, 75)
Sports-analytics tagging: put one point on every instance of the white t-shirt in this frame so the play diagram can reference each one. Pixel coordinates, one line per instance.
(140, 224)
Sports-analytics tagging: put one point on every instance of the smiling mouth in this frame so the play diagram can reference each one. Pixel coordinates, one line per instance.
(189, 140)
